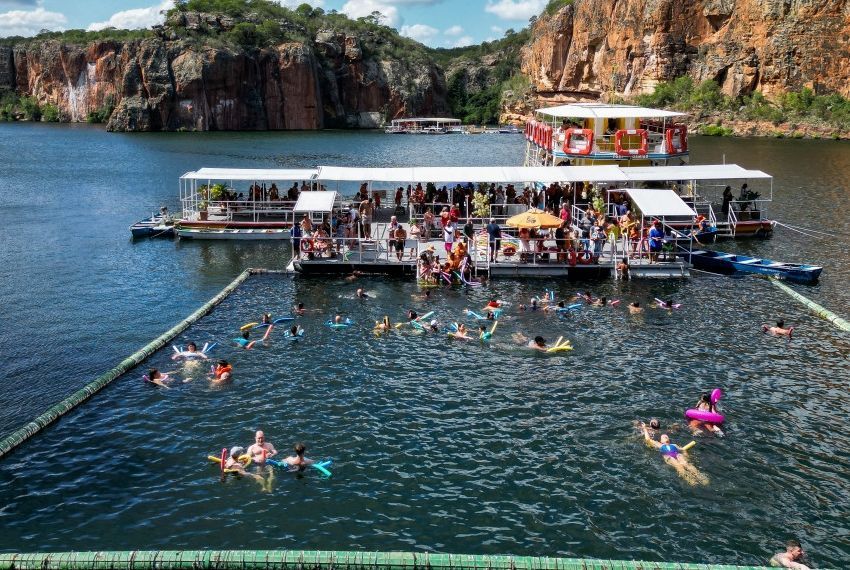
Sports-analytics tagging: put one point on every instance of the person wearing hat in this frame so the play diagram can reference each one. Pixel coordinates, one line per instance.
(494, 233)
(233, 465)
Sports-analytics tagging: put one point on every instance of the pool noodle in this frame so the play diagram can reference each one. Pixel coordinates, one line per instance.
(177, 350)
(262, 325)
(206, 344)
(210, 347)
(268, 332)
(688, 446)
(475, 315)
(247, 326)
(282, 320)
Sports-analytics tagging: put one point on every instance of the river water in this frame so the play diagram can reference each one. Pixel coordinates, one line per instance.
(437, 446)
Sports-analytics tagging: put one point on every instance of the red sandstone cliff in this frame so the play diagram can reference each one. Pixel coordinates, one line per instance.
(595, 47)
(160, 84)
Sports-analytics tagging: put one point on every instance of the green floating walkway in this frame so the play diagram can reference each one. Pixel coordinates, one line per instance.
(16, 438)
(320, 560)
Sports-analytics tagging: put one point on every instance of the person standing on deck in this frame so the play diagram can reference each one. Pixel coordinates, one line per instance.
(449, 236)
(367, 208)
(727, 200)
(656, 241)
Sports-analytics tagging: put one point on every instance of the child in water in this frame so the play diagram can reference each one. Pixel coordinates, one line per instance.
(779, 329)
(675, 457)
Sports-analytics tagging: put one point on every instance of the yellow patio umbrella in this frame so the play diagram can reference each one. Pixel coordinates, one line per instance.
(534, 218)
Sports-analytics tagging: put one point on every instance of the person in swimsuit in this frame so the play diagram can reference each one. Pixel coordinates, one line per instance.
(361, 294)
(675, 457)
(233, 464)
(779, 329)
(791, 557)
(635, 308)
(298, 460)
(158, 378)
(704, 405)
(299, 309)
(267, 318)
(261, 449)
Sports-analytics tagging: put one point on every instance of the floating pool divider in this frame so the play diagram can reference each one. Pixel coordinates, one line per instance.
(817, 309)
(16, 438)
(321, 560)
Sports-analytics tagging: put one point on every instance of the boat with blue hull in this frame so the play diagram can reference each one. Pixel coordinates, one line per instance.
(734, 264)
(155, 226)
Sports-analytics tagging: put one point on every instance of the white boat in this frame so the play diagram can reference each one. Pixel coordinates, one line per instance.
(422, 126)
(234, 234)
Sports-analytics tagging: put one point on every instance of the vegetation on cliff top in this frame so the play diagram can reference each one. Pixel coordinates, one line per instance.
(706, 98)
(479, 77)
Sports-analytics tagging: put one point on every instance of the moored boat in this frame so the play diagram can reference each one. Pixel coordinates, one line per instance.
(155, 226)
(732, 264)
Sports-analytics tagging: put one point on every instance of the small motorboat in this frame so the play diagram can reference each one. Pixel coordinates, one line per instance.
(732, 264)
(155, 226)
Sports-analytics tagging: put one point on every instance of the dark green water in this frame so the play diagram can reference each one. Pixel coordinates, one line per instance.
(437, 446)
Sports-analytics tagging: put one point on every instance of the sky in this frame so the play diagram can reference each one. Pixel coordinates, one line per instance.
(437, 23)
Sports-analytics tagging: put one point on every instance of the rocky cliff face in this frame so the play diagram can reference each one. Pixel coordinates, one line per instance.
(165, 83)
(595, 47)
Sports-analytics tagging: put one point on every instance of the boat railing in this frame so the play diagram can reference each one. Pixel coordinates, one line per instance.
(257, 210)
(745, 210)
(352, 249)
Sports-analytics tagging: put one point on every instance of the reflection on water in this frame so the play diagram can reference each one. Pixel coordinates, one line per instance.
(437, 446)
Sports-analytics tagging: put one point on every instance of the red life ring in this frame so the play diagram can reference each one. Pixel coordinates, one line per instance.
(547, 142)
(306, 245)
(537, 129)
(528, 130)
(679, 131)
(573, 256)
(640, 151)
(583, 145)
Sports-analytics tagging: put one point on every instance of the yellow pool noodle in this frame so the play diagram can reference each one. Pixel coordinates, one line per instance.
(688, 446)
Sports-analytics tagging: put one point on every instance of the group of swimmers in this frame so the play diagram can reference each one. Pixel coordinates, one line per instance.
(261, 453)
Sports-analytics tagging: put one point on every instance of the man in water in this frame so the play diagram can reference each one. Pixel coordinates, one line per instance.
(361, 294)
(779, 329)
(262, 449)
(222, 371)
(635, 308)
(791, 557)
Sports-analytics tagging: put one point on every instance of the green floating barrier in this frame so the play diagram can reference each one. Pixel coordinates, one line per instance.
(817, 309)
(322, 560)
(19, 436)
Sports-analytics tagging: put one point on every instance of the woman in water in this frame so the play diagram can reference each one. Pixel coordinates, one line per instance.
(676, 458)
(298, 460)
(233, 465)
(704, 405)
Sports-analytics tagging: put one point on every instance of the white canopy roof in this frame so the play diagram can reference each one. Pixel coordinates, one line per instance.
(659, 203)
(426, 120)
(692, 172)
(497, 174)
(315, 201)
(252, 174)
(606, 111)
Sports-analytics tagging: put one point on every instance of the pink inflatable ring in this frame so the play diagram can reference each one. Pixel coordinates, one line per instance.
(708, 417)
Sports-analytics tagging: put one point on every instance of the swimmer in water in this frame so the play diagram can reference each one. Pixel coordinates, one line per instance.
(191, 352)
(222, 372)
(261, 449)
(411, 315)
(779, 329)
(791, 557)
(293, 330)
(635, 308)
(353, 276)
(267, 318)
(298, 460)
(704, 405)
(676, 458)
(531, 307)
(233, 463)
(490, 316)
(299, 309)
(361, 294)
(555, 308)
(383, 326)
(493, 304)
(600, 302)
(338, 320)
(434, 327)
(537, 343)
(158, 378)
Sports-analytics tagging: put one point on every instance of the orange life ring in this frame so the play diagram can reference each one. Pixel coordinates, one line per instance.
(547, 142)
(306, 245)
(680, 131)
(583, 145)
(640, 151)
(528, 125)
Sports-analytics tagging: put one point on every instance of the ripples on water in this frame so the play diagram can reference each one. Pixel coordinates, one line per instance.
(458, 446)
(437, 446)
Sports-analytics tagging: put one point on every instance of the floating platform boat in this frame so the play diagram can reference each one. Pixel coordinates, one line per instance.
(732, 264)
(155, 226)
(231, 234)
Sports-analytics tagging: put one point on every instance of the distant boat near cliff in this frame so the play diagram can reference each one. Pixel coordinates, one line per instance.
(423, 126)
